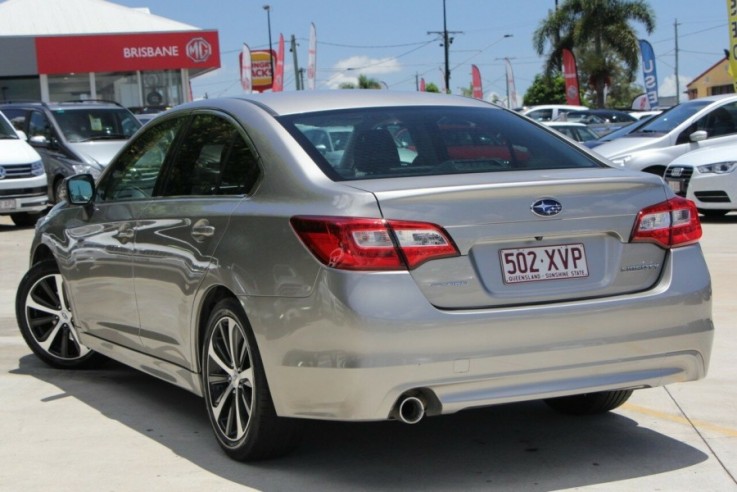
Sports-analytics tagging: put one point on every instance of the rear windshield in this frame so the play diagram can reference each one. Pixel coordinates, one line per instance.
(415, 141)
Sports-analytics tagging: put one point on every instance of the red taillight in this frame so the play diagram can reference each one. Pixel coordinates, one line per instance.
(669, 224)
(372, 244)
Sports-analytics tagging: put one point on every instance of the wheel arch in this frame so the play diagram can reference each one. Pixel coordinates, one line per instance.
(214, 295)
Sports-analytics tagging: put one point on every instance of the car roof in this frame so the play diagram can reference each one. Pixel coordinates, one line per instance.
(293, 102)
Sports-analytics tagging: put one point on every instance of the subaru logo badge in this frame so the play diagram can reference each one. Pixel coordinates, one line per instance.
(547, 207)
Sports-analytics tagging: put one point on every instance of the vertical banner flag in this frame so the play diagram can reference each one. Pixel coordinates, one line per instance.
(312, 57)
(732, 26)
(245, 63)
(279, 69)
(422, 85)
(571, 78)
(511, 88)
(443, 89)
(477, 91)
(649, 74)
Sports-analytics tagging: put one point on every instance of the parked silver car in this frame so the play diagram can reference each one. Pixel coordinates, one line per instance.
(223, 252)
(691, 125)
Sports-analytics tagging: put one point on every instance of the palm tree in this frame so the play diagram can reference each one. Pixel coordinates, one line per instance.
(600, 33)
(363, 83)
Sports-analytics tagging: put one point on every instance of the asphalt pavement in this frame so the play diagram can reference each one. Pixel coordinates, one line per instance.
(120, 430)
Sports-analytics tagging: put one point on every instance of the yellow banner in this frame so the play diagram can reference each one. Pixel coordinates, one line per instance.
(732, 25)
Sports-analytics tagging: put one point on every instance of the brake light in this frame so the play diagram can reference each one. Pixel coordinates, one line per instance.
(350, 243)
(670, 224)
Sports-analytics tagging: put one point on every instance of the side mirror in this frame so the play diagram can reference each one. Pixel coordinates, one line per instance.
(80, 189)
(39, 141)
(698, 136)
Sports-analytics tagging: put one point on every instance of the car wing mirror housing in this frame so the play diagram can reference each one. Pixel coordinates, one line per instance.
(698, 136)
(80, 189)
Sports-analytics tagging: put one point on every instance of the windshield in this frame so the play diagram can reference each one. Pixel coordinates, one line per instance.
(668, 120)
(6, 129)
(415, 141)
(88, 124)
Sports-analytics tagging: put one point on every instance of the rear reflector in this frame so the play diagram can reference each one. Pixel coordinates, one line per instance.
(349, 243)
(670, 224)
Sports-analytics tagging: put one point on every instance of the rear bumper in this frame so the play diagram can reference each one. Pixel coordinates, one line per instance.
(360, 341)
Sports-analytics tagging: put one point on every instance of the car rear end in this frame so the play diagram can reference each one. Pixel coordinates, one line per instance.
(532, 272)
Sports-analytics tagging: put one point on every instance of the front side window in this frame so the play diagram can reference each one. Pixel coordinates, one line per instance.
(134, 174)
(411, 141)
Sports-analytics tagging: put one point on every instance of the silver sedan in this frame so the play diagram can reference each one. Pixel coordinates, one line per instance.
(451, 254)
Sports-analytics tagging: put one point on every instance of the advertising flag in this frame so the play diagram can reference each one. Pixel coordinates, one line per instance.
(312, 58)
(570, 75)
(444, 89)
(649, 74)
(511, 89)
(478, 92)
(245, 64)
(422, 84)
(732, 27)
(279, 69)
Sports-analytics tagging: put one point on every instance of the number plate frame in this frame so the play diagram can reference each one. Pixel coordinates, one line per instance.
(542, 263)
(8, 204)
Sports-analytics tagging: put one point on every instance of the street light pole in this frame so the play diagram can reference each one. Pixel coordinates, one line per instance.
(267, 8)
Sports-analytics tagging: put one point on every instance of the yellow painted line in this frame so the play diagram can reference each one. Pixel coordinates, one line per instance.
(680, 420)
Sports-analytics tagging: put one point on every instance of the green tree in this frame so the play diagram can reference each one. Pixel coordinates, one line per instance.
(363, 83)
(432, 87)
(546, 89)
(600, 34)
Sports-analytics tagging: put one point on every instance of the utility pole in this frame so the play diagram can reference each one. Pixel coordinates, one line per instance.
(678, 85)
(267, 8)
(293, 48)
(447, 40)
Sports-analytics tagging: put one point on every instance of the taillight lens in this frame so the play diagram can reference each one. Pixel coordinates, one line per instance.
(669, 224)
(349, 243)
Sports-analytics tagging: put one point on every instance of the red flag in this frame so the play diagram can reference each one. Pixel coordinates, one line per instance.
(570, 75)
(478, 92)
(422, 85)
(279, 69)
(511, 90)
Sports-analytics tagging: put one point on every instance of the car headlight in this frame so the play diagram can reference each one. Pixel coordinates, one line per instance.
(87, 169)
(37, 168)
(621, 161)
(718, 168)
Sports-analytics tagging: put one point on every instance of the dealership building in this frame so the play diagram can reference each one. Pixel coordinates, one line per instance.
(61, 50)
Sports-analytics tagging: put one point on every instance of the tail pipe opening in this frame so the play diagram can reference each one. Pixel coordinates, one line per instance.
(410, 408)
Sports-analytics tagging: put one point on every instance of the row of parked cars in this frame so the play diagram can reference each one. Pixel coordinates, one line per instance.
(43, 143)
(693, 146)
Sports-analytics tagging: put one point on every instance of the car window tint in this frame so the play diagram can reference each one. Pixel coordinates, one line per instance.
(214, 159)
(404, 142)
(721, 121)
(39, 126)
(135, 172)
(84, 125)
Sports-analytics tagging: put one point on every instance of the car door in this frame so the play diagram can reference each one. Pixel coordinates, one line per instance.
(101, 280)
(179, 230)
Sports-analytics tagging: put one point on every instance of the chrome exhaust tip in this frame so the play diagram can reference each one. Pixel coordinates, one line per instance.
(410, 409)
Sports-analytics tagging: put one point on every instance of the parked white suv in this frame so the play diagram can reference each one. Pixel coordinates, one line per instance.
(23, 184)
(691, 125)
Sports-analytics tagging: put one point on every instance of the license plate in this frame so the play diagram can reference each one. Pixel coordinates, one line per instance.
(7, 204)
(675, 185)
(564, 261)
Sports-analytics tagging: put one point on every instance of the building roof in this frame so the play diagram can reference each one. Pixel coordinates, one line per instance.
(60, 17)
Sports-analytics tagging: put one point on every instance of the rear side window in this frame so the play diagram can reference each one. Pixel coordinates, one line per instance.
(416, 141)
(213, 159)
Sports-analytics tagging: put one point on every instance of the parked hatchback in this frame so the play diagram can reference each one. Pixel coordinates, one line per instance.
(223, 252)
(73, 137)
(688, 126)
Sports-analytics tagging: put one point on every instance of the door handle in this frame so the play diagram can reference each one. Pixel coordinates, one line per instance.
(202, 230)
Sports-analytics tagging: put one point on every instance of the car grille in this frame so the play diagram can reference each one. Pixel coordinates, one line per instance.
(17, 171)
(712, 196)
(23, 192)
(678, 178)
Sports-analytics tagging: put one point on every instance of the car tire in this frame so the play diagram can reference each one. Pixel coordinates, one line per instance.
(589, 403)
(60, 192)
(236, 393)
(44, 317)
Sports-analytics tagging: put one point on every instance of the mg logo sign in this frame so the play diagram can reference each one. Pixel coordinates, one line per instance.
(198, 50)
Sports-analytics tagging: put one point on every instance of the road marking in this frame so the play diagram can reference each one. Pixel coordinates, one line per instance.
(681, 420)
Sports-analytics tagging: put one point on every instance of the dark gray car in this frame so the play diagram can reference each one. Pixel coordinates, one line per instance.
(223, 252)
